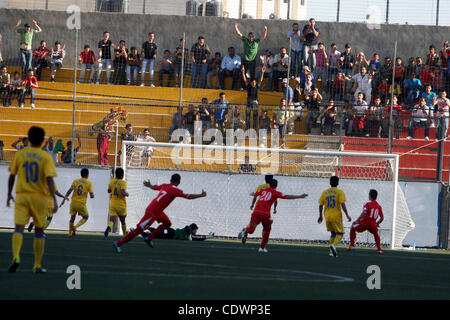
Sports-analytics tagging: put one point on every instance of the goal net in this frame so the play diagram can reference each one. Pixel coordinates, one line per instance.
(230, 173)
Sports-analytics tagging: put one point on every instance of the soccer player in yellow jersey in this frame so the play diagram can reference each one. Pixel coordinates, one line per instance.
(81, 188)
(49, 218)
(333, 199)
(35, 170)
(118, 204)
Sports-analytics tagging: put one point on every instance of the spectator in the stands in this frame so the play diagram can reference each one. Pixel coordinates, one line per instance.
(426, 75)
(338, 86)
(252, 87)
(265, 123)
(148, 55)
(410, 68)
(120, 63)
(15, 89)
(214, 70)
(305, 72)
(246, 167)
(5, 80)
(412, 90)
(312, 104)
(280, 68)
(384, 89)
(347, 61)
(128, 135)
(178, 121)
(320, 71)
(387, 69)
(133, 65)
(40, 55)
(373, 119)
(237, 120)
(1, 141)
(26, 41)
(199, 56)
(190, 117)
(87, 61)
(444, 56)
(307, 86)
(146, 153)
(432, 58)
(220, 112)
(358, 124)
(250, 50)
(230, 67)
(24, 141)
(105, 57)
(267, 61)
(334, 58)
(329, 119)
(399, 72)
(178, 61)
(55, 59)
(1, 60)
(298, 98)
(166, 67)
(288, 92)
(281, 118)
(311, 34)
(442, 105)
(205, 113)
(30, 84)
(363, 83)
(429, 96)
(419, 66)
(360, 62)
(375, 64)
(66, 155)
(396, 113)
(296, 38)
(49, 147)
(420, 116)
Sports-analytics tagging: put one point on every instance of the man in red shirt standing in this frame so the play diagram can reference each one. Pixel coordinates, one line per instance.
(86, 59)
(30, 84)
(367, 221)
(155, 211)
(261, 214)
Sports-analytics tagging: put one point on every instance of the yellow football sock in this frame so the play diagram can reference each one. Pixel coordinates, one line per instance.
(46, 224)
(70, 228)
(38, 247)
(332, 238)
(337, 239)
(124, 229)
(111, 224)
(17, 240)
(80, 223)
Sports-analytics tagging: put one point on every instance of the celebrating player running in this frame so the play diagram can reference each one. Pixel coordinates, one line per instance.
(261, 214)
(154, 212)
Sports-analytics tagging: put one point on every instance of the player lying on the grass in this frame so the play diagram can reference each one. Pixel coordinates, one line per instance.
(154, 212)
(118, 204)
(186, 233)
(261, 214)
(35, 170)
(367, 221)
(49, 218)
(81, 188)
(333, 199)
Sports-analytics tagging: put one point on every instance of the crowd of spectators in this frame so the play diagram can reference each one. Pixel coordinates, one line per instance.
(324, 79)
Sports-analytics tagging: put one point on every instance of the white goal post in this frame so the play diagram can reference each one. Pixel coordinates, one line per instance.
(224, 172)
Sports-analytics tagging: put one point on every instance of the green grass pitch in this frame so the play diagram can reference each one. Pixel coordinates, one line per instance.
(216, 269)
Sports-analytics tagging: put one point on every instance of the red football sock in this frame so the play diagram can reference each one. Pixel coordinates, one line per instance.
(158, 231)
(377, 241)
(265, 238)
(130, 236)
(352, 237)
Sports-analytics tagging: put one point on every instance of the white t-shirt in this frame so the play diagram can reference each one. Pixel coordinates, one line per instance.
(146, 149)
(52, 154)
(360, 109)
(443, 106)
(364, 83)
(419, 114)
(278, 60)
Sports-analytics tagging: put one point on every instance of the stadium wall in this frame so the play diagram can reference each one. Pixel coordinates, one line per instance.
(422, 199)
(218, 32)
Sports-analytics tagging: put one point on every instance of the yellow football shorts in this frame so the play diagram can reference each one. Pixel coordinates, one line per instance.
(30, 205)
(78, 208)
(335, 226)
(117, 211)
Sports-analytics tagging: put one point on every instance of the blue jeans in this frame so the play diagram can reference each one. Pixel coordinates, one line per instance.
(31, 92)
(197, 68)
(306, 55)
(441, 127)
(83, 70)
(416, 124)
(296, 62)
(26, 56)
(267, 75)
(311, 119)
(107, 63)
(412, 95)
(151, 63)
(135, 70)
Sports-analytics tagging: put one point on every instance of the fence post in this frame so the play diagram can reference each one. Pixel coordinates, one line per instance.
(437, 13)
(387, 12)
(338, 10)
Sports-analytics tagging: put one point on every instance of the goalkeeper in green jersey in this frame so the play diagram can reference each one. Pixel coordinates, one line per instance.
(186, 233)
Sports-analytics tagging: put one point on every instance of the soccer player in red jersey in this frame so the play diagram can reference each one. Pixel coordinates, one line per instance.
(368, 220)
(261, 214)
(154, 212)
